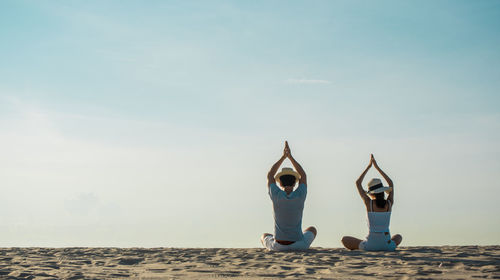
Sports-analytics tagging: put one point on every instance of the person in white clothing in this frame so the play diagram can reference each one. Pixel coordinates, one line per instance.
(379, 214)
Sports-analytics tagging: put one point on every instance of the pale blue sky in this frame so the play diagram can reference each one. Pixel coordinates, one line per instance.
(126, 123)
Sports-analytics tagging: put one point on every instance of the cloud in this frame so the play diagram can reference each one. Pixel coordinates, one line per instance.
(307, 81)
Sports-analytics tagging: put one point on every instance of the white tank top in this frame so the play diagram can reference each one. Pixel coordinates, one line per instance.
(379, 221)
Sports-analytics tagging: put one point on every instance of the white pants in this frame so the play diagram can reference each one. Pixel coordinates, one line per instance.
(270, 243)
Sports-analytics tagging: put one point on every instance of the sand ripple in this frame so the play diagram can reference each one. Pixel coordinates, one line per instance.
(447, 262)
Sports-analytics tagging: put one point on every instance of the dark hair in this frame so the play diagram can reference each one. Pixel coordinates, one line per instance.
(380, 200)
(287, 180)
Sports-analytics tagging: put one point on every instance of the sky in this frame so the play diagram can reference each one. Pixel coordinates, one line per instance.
(154, 123)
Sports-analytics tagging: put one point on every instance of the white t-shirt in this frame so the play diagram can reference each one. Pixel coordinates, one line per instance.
(288, 212)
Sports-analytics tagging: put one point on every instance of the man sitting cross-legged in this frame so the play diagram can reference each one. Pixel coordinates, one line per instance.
(288, 205)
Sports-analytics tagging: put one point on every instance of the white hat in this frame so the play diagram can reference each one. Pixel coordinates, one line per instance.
(287, 171)
(375, 186)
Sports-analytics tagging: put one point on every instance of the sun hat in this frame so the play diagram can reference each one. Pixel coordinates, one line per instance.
(375, 186)
(287, 171)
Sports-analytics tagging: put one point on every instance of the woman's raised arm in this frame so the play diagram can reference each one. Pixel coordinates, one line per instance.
(387, 179)
(359, 185)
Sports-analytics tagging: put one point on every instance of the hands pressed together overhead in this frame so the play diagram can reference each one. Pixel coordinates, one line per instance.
(286, 152)
(373, 162)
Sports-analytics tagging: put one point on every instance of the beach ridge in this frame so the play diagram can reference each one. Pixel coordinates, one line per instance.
(443, 262)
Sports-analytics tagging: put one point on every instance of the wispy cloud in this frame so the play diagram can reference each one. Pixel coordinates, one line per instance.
(307, 81)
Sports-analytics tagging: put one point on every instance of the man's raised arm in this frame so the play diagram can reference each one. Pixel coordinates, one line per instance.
(300, 170)
(274, 169)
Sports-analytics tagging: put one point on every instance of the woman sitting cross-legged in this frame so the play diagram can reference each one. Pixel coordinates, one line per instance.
(379, 214)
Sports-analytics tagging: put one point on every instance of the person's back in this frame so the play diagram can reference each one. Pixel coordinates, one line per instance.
(379, 235)
(288, 205)
(288, 210)
(379, 218)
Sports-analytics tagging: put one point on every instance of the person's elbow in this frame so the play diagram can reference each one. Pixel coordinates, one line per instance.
(270, 180)
(270, 176)
(303, 179)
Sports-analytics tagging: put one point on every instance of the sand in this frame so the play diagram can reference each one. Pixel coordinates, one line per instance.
(447, 262)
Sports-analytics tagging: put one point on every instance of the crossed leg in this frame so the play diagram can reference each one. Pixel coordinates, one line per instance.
(351, 243)
(313, 230)
(397, 238)
(264, 236)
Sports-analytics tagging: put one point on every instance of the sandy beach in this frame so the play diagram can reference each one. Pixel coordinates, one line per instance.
(447, 262)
